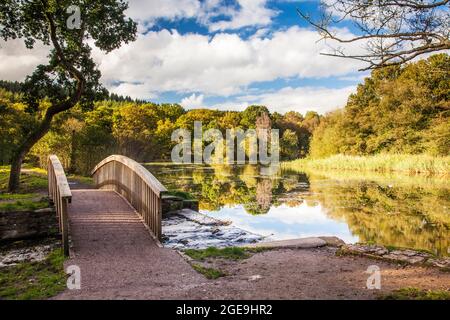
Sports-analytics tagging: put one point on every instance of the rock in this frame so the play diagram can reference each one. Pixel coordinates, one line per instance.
(27, 224)
(367, 249)
(193, 230)
(440, 262)
(31, 254)
(333, 241)
(399, 255)
(302, 243)
(405, 258)
(254, 278)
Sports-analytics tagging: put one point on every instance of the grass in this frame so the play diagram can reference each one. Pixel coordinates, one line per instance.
(31, 181)
(34, 280)
(417, 294)
(209, 273)
(33, 184)
(24, 205)
(231, 253)
(421, 164)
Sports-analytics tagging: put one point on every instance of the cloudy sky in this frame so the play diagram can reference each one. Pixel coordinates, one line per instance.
(224, 54)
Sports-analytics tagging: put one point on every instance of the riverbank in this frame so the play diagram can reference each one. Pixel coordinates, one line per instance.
(384, 163)
(278, 273)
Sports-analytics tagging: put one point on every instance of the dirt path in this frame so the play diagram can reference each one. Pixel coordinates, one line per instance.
(119, 260)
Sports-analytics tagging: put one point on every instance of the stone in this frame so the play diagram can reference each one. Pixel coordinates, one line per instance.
(302, 243)
(29, 254)
(255, 277)
(193, 230)
(405, 258)
(440, 262)
(26, 224)
(367, 249)
(333, 241)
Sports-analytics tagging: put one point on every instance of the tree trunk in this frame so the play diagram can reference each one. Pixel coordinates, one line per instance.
(24, 148)
(14, 176)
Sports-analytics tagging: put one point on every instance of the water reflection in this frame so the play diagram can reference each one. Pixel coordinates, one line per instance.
(390, 210)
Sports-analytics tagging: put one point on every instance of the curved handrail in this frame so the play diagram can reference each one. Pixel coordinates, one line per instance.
(136, 184)
(59, 192)
(143, 173)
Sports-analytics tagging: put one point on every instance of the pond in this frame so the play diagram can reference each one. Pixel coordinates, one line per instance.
(392, 210)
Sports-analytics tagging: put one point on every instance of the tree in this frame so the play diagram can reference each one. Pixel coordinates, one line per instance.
(289, 145)
(71, 76)
(250, 114)
(392, 31)
(396, 110)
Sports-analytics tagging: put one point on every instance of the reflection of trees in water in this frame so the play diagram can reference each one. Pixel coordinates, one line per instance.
(415, 217)
(411, 213)
(264, 194)
(222, 185)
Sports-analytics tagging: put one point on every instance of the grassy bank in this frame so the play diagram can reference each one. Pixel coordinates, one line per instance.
(412, 164)
(34, 280)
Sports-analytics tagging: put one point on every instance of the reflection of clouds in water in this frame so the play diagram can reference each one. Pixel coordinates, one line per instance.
(286, 222)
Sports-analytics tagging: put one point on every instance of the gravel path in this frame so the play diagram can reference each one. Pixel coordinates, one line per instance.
(119, 260)
(117, 256)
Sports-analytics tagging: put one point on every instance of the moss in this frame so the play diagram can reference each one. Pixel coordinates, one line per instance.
(416, 294)
(209, 273)
(34, 280)
(233, 253)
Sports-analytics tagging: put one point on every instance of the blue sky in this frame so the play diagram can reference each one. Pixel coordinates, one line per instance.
(224, 54)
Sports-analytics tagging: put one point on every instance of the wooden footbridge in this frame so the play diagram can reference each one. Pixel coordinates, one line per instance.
(114, 231)
(121, 182)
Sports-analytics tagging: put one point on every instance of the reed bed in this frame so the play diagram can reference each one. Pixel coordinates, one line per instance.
(412, 164)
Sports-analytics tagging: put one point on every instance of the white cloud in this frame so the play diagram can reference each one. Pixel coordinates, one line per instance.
(302, 99)
(249, 13)
(222, 65)
(16, 61)
(149, 10)
(215, 14)
(134, 90)
(193, 101)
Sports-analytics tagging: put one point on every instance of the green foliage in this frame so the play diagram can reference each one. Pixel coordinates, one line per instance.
(209, 273)
(142, 131)
(233, 253)
(181, 194)
(417, 294)
(71, 76)
(34, 280)
(250, 114)
(289, 145)
(396, 110)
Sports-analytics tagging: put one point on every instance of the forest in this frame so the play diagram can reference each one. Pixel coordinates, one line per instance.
(397, 110)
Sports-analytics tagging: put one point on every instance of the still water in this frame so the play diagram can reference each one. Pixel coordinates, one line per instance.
(401, 211)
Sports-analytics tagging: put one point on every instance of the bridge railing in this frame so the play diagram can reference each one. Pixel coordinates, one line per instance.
(136, 184)
(60, 194)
